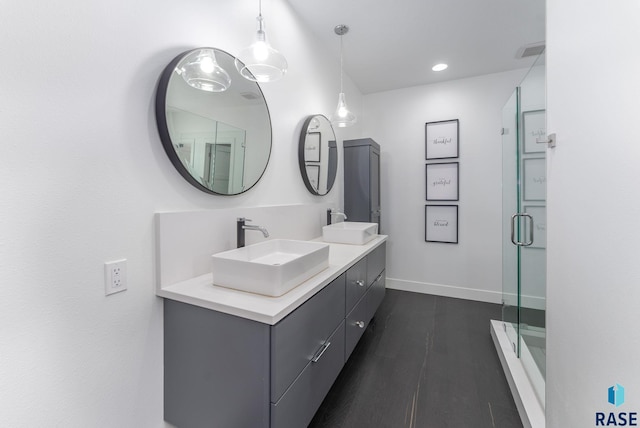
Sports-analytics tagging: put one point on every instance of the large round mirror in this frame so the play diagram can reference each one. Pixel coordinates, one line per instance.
(214, 124)
(318, 154)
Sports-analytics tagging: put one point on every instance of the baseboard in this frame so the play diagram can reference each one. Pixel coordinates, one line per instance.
(445, 290)
(527, 301)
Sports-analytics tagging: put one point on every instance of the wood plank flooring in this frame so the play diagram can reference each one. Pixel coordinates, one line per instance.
(424, 362)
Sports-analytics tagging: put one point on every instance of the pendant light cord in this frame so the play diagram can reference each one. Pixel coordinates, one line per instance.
(341, 30)
(261, 34)
(341, 63)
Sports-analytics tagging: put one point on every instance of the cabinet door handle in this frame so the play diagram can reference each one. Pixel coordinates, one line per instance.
(360, 283)
(319, 354)
(360, 324)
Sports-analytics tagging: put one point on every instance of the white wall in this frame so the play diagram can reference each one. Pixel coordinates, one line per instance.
(82, 174)
(593, 279)
(396, 120)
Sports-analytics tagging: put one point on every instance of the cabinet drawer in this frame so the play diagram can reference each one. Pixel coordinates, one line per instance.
(299, 336)
(356, 283)
(301, 401)
(355, 325)
(376, 261)
(375, 295)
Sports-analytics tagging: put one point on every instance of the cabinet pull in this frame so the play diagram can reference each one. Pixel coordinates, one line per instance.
(360, 324)
(379, 277)
(360, 283)
(319, 354)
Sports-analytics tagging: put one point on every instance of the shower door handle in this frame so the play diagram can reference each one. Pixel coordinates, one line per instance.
(513, 230)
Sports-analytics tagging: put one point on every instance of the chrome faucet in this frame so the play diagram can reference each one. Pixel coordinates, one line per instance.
(241, 227)
(331, 212)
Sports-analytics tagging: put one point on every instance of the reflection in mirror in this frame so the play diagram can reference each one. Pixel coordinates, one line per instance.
(318, 154)
(220, 142)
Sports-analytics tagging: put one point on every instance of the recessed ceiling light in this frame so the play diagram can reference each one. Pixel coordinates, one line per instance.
(439, 67)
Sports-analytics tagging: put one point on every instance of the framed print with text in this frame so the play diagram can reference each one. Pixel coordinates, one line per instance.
(535, 179)
(539, 216)
(313, 173)
(534, 126)
(312, 147)
(441, 223)
(442, 181)
(441, 139)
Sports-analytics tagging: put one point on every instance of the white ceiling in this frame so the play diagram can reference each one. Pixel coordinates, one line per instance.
(394, 43)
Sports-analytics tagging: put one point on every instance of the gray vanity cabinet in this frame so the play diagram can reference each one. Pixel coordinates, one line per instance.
(224, 371)
(216, 368)
(362, 180)
(360, 313)
(375, 295)
(376, 261)
(356, 283)
(355, 324)
(307, 353)
(303, 398)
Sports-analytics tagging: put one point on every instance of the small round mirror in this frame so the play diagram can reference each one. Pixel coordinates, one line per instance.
(318, 154)
(214, 124)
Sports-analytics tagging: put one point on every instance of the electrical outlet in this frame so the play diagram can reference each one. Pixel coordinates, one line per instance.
(115, 276)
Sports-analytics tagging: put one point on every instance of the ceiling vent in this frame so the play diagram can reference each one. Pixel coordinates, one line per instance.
(533, 49)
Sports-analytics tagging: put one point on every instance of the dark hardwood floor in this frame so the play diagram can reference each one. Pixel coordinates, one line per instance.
(424, 362)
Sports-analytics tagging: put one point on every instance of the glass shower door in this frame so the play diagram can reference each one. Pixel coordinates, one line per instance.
(524, 223)
(510, 197)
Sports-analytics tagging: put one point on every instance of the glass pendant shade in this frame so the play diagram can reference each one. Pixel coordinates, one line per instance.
(203, 72)
(342, 116)
(260, 62)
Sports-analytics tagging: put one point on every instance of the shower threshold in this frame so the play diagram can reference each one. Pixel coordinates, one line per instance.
(529, 404)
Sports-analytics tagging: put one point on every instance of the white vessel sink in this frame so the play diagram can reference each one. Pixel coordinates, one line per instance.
(350, 232)
(270, 268)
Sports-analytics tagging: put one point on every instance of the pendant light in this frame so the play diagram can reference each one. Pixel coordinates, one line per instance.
(260, 62)
(201, 71)
(342, 116)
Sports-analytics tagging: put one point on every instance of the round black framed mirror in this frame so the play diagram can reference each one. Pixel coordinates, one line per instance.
(318, 154)
(218, 136)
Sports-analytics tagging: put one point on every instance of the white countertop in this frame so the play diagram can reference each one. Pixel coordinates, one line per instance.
(200, 291)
